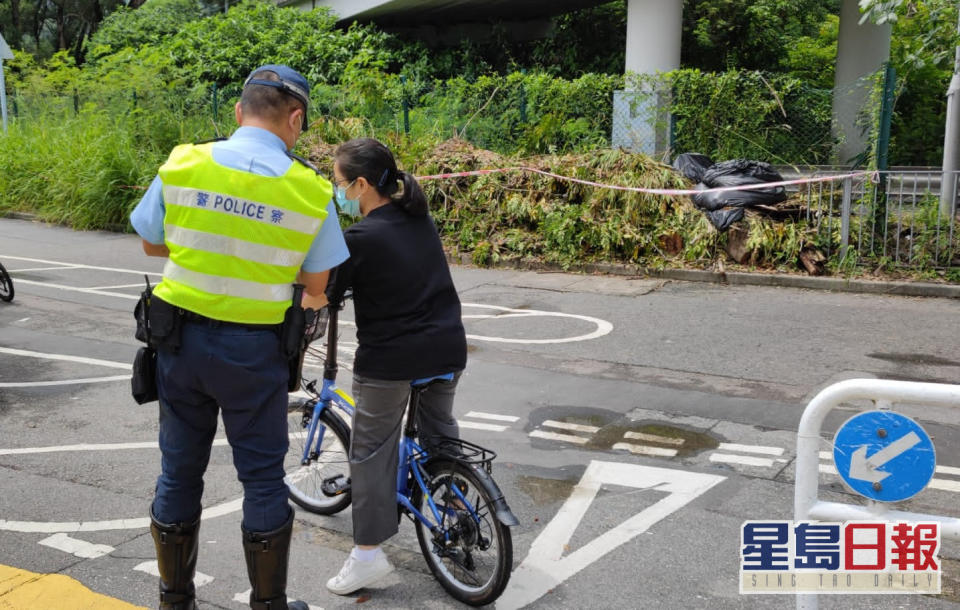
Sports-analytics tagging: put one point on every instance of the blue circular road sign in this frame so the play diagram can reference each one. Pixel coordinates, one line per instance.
(884, 456)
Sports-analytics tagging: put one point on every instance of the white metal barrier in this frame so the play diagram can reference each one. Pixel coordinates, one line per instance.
(884, 393)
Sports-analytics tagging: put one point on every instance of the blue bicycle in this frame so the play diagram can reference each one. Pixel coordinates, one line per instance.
(462, 519)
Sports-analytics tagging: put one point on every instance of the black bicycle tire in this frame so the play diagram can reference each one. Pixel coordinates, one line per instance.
(499, 581)
(6, 285)
(340, 429)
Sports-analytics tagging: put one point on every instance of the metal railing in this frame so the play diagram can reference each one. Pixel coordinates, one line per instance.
(884, 393)
(889, 218)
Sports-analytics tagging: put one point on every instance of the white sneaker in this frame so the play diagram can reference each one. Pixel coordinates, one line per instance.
(356, 574)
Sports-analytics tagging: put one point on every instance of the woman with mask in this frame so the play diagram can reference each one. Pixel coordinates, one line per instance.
(408, 327)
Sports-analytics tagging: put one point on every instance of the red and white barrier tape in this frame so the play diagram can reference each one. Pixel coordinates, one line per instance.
(638, 189)
(633, 189)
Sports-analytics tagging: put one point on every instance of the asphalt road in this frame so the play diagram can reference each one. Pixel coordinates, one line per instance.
(566, 373)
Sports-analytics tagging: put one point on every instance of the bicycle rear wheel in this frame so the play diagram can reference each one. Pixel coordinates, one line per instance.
(329, 462)
(475, 566)
(6, 285)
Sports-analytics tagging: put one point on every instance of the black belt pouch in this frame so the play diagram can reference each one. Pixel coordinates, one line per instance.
(166, 322)
(143, 384)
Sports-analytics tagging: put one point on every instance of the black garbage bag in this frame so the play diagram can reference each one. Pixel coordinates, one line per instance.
(692, 165)
(763, 172)
(722, 219)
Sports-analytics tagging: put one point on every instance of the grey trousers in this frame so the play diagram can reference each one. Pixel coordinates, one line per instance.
(374, 447)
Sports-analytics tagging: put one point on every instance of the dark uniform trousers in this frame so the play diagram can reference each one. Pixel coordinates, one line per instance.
(242, 373)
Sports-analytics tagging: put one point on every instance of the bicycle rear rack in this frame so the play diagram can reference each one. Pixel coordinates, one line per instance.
(462, 451)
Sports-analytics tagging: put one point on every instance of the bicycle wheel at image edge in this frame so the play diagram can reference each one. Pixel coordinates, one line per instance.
(475, 567)
(6, 285)
(304, 481)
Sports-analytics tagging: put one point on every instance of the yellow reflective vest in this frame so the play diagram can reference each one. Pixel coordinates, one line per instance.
(236, 239)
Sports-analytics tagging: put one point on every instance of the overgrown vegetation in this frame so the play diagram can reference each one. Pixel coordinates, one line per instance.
(86, 138)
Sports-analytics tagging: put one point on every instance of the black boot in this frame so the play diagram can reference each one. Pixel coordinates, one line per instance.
(176, 546)
(267, 555)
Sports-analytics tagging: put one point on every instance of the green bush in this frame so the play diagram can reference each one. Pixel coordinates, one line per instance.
(741, 114)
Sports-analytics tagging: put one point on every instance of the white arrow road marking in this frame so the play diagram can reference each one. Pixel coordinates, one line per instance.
(150, 567)
(865, 469)
(545, 566)
(74, 546)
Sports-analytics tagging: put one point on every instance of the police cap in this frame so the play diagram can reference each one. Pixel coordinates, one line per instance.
(289, 81)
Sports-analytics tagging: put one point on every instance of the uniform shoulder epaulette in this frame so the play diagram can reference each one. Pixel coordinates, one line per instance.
(304, 162)
(220, 139)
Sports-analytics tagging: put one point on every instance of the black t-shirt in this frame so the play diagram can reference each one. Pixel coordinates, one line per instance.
(407, 309)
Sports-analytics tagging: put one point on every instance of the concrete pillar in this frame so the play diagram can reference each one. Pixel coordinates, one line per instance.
(861, 51)
(641, 119)
(654, 29)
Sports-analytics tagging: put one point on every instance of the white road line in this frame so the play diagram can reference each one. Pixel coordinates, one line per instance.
(646, 450)
(941, 484)
(150, 567)
(90, 447)
(60, 268)
(751, 449)
(22, 320)
(82, 380)
(653, 438)
(555, 436)
(102, 293)
(745, 460)
(141, 523)
(562, 425)
(944, 485)
(79, 359)
(140, 285)
(74, 546)
(492, 416)
(80, 265)
(244, 598)
(826, 455)
(472, 425)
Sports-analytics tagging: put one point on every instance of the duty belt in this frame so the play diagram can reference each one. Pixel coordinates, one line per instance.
(196, 318)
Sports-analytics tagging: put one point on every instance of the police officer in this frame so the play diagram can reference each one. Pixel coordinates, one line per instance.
(240, 220)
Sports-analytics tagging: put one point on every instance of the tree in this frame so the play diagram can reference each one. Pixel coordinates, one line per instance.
(754, 35)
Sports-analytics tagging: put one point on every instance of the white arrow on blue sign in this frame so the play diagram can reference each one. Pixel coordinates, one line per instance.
(884, 456)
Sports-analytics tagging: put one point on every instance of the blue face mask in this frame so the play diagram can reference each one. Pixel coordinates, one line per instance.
(350, 207)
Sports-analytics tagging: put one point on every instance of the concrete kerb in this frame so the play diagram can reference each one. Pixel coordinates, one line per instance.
(914, 289)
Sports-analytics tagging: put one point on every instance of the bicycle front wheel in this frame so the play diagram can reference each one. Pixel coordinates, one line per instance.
(473, 561)
(6, 285)
(326, 460)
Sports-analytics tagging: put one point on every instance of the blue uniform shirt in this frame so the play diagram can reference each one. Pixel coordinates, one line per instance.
(258, 151)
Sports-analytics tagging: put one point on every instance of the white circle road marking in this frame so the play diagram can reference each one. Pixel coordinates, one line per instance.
(603, 327)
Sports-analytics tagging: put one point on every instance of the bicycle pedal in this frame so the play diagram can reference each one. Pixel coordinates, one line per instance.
(335, 486)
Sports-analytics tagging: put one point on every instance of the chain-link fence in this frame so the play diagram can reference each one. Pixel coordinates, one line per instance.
(746, 115)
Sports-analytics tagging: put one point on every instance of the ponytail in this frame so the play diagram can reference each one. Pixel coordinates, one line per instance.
(371, 159)
(413, 201)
